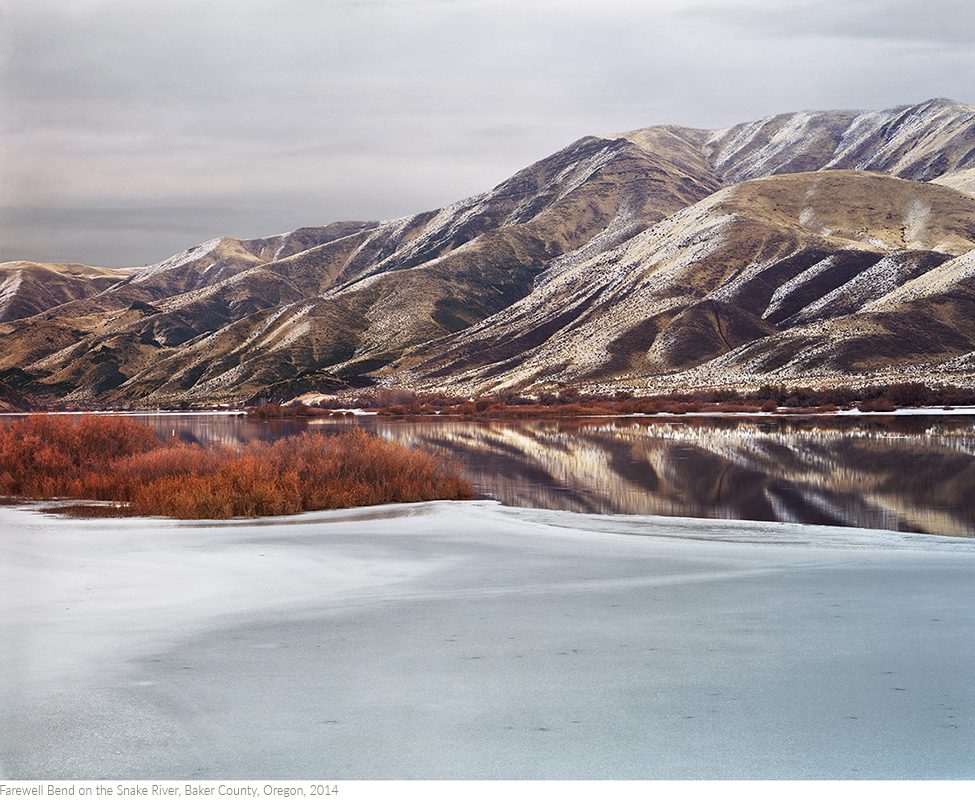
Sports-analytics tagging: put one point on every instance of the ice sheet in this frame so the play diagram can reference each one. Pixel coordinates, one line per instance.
(470, 640)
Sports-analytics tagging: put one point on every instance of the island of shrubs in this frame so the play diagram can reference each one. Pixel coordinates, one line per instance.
(125, 467)
(571, 402)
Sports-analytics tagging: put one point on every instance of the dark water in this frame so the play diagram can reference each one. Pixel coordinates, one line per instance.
(906, 473)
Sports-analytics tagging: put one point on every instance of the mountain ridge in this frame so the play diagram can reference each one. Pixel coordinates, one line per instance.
(664, 256)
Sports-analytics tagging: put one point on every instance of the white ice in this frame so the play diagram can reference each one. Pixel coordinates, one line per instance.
(471, 640)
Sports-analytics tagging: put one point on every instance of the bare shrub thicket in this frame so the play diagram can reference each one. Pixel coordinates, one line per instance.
(117, 460)
(572, 402)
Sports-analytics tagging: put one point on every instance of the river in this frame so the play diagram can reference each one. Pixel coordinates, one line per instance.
(906, 473)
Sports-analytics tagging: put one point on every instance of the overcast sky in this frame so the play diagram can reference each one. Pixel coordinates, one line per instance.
(132, 129)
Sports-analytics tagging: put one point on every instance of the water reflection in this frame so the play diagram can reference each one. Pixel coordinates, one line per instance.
(898, 473)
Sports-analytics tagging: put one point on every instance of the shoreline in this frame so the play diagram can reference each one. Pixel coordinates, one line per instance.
(961, 411)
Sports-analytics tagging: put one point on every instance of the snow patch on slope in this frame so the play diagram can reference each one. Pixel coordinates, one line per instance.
(179, 260)
(931, 283)
(8, 289)
(807, 215)
(916, 219)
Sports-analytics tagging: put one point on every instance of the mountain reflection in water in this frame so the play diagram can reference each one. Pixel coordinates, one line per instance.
(911, 473)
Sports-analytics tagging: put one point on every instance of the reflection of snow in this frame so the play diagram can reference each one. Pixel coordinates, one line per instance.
(719, 470)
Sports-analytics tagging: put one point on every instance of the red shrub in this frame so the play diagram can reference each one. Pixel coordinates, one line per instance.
(908, 394)
(118, 460)
(877, 404)
(646, 406)
(41, 455)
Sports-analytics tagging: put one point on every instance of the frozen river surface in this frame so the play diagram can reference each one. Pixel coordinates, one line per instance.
(449, 640)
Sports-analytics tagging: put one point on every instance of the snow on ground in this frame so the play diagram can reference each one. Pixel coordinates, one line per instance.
(471, 640)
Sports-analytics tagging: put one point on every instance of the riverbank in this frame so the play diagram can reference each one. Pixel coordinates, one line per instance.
(472, 640)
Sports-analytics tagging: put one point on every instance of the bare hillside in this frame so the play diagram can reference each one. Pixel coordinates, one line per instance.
(821, 245)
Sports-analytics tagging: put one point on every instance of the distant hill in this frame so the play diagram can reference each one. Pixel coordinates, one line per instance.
(815, 247)
(27, 289)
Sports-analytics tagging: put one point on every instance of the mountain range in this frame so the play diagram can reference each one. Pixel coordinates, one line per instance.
(810, 248)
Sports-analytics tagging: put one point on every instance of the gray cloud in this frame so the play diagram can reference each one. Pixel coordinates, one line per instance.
(949, 22)
(257, 116)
